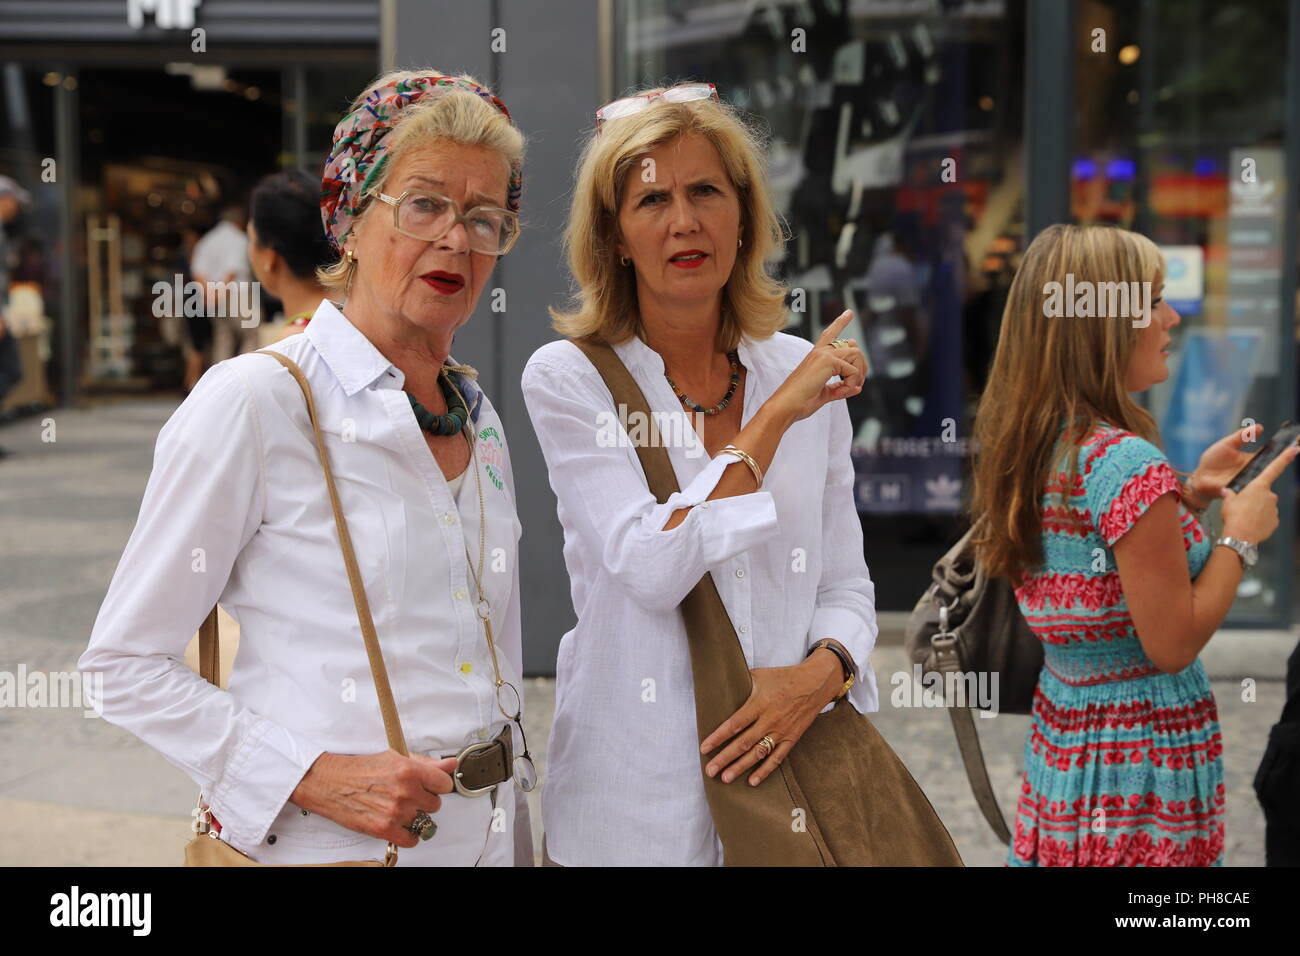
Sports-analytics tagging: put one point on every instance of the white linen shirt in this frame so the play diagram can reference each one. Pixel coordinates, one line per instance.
(236, 509)
(624, 785)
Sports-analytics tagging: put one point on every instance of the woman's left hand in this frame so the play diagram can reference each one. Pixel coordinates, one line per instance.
(784, 702)
(1220, 464)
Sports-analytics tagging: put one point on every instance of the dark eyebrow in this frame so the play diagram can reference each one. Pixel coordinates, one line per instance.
(478, 199)
(653, 189)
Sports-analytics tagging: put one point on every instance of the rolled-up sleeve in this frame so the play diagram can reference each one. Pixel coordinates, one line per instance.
(203, 502)
(604, 494)
(846, 598)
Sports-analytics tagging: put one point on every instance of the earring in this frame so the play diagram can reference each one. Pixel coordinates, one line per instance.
(624, 260)
(352, 270)
(739, 242)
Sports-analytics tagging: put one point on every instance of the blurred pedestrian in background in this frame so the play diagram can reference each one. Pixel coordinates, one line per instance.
(286, 244)
(13, 199)
(221, 256)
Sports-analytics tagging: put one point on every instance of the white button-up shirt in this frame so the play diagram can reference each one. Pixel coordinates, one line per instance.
(624, 784)
(236, 510)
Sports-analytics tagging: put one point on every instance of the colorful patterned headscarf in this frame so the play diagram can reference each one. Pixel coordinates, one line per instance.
(358, 153)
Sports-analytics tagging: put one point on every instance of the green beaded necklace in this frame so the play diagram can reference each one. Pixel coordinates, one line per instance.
(457, 413)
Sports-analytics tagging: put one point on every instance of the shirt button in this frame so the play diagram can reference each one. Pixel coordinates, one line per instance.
(744, 629)
(449, 518)
(305, 812)
(740, 572)
(704, 504)
(466, 667)
(271, 839)
(460, 594)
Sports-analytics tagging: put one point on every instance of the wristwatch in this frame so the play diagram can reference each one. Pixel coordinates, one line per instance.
(1248, 553)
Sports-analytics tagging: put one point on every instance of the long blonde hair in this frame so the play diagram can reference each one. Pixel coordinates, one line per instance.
(457, 116)
(605, 308)
(1048, 372)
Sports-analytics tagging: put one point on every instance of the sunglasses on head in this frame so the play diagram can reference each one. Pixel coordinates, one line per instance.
(627, 105)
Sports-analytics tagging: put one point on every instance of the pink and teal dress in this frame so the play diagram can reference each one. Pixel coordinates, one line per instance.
(1123, 763)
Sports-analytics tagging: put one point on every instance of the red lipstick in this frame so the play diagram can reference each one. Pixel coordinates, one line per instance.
(688, 258)
(448, 283)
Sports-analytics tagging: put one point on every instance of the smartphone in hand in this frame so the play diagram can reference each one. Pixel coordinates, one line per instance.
(1283, 438)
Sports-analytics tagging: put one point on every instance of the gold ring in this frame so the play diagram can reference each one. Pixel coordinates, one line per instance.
(768, 744)
(841, 344)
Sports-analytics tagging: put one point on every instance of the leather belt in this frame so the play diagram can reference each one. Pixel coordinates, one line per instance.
(481, 766)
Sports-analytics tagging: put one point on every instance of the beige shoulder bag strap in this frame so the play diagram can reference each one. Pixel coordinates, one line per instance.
(209, 646)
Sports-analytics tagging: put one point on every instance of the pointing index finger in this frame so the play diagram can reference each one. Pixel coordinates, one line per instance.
(833, 330)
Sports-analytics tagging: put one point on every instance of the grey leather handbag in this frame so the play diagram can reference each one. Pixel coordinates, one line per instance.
(967, 622)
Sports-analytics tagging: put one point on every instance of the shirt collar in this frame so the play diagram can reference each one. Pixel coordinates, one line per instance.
(634, 351)
(357, 364)
(353, 359)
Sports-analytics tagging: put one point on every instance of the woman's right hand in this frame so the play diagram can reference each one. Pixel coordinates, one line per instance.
(1251, 515)
(375, 794)
(804, 390)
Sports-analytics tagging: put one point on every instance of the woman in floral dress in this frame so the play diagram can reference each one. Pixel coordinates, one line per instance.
(1116, 573)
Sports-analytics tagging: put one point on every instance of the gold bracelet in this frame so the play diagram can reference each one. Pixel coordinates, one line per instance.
(748, 459)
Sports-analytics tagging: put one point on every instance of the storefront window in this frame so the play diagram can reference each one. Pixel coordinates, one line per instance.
(895, 154)
(1180, 137)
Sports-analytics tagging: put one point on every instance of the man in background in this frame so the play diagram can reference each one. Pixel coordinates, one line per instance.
(222, 256)
(13, 198)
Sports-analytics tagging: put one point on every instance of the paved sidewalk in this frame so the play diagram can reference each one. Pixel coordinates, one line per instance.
(77, 791)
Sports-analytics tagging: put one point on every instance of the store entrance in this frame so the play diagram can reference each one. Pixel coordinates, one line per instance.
(163, 152)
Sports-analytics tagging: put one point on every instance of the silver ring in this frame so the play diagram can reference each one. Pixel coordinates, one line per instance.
(423, 826)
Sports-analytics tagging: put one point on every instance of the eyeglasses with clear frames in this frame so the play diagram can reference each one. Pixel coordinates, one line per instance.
(430, 216)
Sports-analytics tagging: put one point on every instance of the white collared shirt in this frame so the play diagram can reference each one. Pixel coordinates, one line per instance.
(236, 509)
(624, 785)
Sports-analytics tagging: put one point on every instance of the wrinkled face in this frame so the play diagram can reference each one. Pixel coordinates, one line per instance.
(679, 221)
(1148, 363)
(433, 285)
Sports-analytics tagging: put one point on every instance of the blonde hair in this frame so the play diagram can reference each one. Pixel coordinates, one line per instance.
(458, 116)
(605, 306)
(1049, 372)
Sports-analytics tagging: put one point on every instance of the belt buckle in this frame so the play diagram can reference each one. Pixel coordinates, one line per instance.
(473, 748)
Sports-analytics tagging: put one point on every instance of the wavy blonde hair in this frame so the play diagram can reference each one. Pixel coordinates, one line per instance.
(605, 303)
(1048, 372)
(458, 116)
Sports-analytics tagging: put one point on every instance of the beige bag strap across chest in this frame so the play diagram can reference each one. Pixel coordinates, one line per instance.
(209, 645)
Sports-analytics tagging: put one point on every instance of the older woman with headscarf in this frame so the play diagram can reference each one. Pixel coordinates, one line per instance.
(421, 194)
(669, 231)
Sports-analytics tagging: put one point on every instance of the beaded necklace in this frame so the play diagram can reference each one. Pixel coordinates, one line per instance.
(457, 411)
(726, 399)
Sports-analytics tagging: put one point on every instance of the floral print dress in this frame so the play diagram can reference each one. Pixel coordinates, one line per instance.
(1123, 763)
